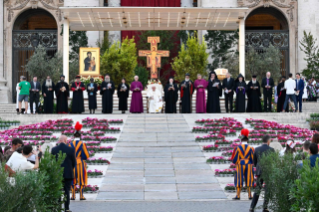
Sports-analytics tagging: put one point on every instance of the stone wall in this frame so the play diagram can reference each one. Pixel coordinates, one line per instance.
(308, 20)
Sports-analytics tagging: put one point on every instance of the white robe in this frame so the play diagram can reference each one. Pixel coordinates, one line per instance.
(155, 101)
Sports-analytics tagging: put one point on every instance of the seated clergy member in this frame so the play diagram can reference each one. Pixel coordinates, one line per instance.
(154, 100)
(19, 162)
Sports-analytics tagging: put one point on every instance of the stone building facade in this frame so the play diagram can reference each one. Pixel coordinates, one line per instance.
(290, 18)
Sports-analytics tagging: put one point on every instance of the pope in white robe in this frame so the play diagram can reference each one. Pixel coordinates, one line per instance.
(155, 100)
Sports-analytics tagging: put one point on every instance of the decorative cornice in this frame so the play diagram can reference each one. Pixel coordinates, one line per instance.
(34, 5)
(266, 3)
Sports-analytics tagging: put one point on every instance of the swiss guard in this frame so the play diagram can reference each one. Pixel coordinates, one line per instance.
(81, 154)
(242, 157)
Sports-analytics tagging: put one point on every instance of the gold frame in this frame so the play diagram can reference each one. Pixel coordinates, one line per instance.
(95, 52)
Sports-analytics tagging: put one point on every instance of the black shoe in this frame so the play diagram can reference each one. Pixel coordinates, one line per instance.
(265, 210)
(251, 210)
(236, 198)
(68, 211)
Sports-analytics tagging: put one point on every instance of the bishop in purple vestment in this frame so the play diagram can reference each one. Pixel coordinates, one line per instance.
(200, 85)
(137, 99)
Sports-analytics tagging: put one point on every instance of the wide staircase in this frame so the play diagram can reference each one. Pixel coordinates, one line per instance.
(157, 158)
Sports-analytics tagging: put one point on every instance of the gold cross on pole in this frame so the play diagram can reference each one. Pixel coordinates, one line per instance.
(153, 56)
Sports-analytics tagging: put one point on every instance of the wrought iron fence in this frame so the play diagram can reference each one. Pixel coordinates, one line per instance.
(260, 40)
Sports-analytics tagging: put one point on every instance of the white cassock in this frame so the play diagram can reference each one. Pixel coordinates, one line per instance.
(155, 101)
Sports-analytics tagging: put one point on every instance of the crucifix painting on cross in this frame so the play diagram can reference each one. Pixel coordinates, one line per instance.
(153, 56)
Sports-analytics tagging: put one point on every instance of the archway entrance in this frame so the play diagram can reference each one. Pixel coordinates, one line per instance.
(265, 26)
(33, 28)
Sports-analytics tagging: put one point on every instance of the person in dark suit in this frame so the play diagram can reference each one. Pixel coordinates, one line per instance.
(259, 151)
(68, 165)
(267, 84)
(300, 85)
(228, 86)
(35, 94)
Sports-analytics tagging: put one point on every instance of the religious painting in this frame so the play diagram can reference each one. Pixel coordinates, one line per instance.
(89, 61)
(153, 56)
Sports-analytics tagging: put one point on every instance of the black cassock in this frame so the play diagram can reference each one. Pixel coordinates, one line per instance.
(213, 104)
(92, 96)
(123, 95)
(78, 101)
(186, 96)
(107, 97)
(253, 95)
(48, 99)
(171, 97)
(62, 97)
(240, 96)
(281, 97)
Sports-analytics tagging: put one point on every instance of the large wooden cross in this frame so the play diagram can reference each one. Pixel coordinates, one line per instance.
(153, 56)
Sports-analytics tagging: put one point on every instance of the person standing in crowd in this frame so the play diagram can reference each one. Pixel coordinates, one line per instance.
(281, 92)
(19, 162)
(81, 154)
(15, 144)
(200, 85)
(290, 86)
(313, 151)
(24, 88)
(107, 91)
(171, 96)
(92, 89)
(48, 88)
(62, 94)
(259, 152)
(18, 92)
(123, 92)
(243, 156)
(137, 99)
(267, 84)
(240, 89)
(77, 100)
(299, 90)
(187, 89)
(305, 93)
(228, 86)
(214, 92)
(289, 148)
(68, 166)
(311, 92)
(253, 94)
(35, 94)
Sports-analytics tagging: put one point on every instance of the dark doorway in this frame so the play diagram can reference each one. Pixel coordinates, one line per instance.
(265, 26)
(33, 28)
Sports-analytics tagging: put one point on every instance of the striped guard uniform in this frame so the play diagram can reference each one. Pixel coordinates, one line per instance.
(243, 156)
(80, 172)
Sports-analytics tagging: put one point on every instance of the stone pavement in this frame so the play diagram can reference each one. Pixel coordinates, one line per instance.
(156, 158)
(162, 206)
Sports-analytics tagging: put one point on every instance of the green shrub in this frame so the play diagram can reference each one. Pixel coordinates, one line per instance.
(280, 174)
(306, 189)
(23, 193)
(142, 74)
(51, 168)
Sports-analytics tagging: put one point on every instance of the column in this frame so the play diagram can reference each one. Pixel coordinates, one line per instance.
(4, 90)
(242, 46)
(114, 36)
(66, 49)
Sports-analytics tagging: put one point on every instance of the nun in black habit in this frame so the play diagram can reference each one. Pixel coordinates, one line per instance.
(123, 91)
(240, 89)
(214, 90)
(171, 96)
